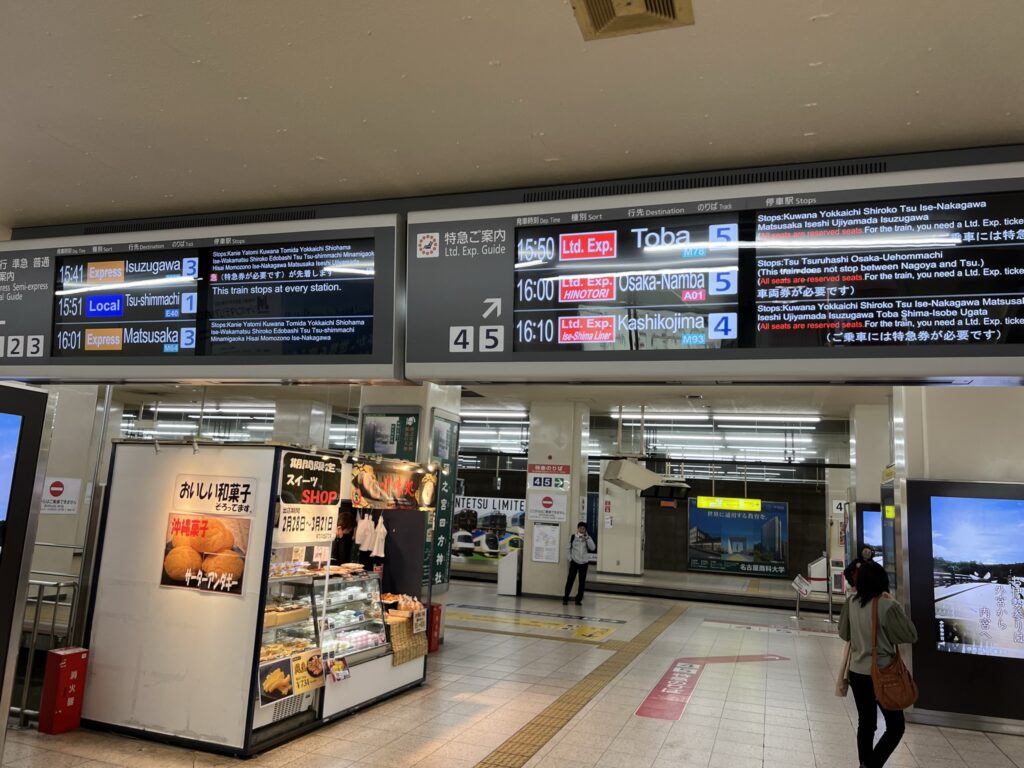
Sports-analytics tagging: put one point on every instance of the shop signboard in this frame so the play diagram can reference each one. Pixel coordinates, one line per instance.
(214, 494)
(739, 540)
(310, 491)
(387, 485)
(390, 435)
(444, 453)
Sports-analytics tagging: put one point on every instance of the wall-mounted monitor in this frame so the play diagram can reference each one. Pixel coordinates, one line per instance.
(908, 275)
(966, 550)
(288, 300)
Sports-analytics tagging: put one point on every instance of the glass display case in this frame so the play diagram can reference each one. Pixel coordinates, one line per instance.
(351, 618)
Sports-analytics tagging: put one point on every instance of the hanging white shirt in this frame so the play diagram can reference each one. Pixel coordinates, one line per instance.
(380, 535)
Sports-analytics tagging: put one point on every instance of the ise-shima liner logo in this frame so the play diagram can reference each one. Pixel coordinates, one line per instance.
(428, 245)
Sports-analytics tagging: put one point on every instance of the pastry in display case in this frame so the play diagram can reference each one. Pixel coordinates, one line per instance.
(351, 617)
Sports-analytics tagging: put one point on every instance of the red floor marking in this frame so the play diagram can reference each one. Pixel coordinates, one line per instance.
(668, 699)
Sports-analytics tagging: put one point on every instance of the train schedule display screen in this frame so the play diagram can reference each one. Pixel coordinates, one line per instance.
(127, 305)
(658, 284)
(935, 271)
(297, 299)
(227, 298)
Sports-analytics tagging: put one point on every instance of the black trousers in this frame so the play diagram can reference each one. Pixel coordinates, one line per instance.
(576, 568)
(867, 712)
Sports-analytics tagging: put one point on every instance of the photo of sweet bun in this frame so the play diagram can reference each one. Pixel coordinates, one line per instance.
(218, 536)
(180, 560)
(226, 562)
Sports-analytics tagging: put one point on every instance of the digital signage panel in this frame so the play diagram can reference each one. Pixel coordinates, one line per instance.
(313, 298)
(664, 283)
(978, 556)
(729, 540)
(906, 272)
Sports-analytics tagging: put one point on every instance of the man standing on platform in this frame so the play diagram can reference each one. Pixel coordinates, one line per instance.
(580, 547)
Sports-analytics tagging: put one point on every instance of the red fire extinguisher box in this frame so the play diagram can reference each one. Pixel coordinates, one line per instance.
(60, 709)
(435, 627)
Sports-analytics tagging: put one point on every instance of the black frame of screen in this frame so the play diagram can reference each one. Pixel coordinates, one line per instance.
(980, 688)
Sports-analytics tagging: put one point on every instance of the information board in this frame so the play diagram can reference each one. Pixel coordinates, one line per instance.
(311, 294)
(830, 278)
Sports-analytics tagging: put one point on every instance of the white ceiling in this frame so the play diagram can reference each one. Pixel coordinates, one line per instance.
(127, 108)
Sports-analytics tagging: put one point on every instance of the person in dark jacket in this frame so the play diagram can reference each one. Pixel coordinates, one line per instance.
(894, 627)
(867, 555)
(341, 547)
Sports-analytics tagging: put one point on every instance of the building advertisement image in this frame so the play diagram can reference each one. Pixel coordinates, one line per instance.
(751, 537)
(978, 557)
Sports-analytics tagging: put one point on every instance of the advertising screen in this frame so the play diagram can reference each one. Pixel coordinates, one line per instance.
(10, 434)
(871, 533)
(978, 557)
(748, 540)
(663, 283)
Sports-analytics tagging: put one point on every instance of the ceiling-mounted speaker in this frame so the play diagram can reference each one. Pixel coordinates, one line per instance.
(599, 19)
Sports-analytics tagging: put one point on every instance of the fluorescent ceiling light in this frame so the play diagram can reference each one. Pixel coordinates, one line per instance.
(260, 428)
(677, 438)
(795, 418)
(766, 426)
(648, 417)
(493, 414)
(768, 439)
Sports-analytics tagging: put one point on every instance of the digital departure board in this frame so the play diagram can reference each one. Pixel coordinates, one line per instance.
(905, 272)
(665, 283)
(724, 287)
(311, 298)
(204, 301)
(127, 305)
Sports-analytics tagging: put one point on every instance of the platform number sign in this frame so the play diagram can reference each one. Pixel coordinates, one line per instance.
(483, 338)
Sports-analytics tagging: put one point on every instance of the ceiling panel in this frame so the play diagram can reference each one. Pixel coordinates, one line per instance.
(145, 107)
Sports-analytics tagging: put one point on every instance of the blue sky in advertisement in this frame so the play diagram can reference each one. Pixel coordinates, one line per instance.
(872, 533)
(738, 526)
(983, 530)
(10, 432)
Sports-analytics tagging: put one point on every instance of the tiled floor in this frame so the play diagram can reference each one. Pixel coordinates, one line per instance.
(484, 688)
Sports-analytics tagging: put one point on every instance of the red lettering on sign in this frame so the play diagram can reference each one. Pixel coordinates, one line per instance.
(588, 245)
(580, 289)
(586, 330)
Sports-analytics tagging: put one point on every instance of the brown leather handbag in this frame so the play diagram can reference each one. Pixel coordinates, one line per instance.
(894, 687)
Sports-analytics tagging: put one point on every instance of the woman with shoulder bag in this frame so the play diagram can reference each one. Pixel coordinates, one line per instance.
(875, 625)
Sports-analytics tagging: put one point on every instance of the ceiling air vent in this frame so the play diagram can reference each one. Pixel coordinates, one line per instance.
(599, 19)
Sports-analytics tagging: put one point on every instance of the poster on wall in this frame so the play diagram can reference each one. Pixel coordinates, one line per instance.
(978, 566)
(205, 552)
(310, 486)
(545, 542)
(390, 435)
(486, 528)
(747, 536)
